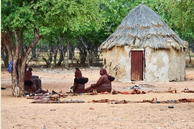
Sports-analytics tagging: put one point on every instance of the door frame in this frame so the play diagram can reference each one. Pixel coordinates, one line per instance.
(133, 67)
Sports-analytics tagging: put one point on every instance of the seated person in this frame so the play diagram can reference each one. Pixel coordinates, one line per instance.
(102, 85)
(79, 82)
(29, 86)
(34, 79)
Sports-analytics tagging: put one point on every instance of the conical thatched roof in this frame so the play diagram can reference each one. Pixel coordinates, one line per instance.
(141, 28)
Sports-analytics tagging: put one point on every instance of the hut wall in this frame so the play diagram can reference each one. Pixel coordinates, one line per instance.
(161, 65)
(118, 63)
(177, 65)
(164, 65)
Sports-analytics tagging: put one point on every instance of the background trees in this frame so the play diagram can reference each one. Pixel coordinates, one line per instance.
(181, 15)
(24, 16)
(63, 25)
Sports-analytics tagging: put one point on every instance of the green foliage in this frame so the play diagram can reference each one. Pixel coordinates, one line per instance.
(182, 12)
(16, 15)
(113, 12)
(68, 14)
(179, 14)
(93, 19)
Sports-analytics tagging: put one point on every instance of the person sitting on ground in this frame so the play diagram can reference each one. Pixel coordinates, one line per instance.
(34, 79)
(79, 82)
(29, 86)
(102, 85)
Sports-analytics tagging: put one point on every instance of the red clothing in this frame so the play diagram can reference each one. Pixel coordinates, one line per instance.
(78, 87)
(103, 84)
(28, 75)
(79, 91)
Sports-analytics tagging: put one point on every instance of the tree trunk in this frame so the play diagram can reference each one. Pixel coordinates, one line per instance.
(60, 58)
(11, 40)
(67, 59)
(33, 57)
(189, 55)
(5, 57)
(83, 55)
(55, 57)
(71, 53)
(15, 87)
(48, 63)
(21, 45)
(56, 52)
(7, 44)
(63, 55)
(7, 38)
(62, 51)
(49, 60)
(91, 58)
(18, 85)
(88, 54)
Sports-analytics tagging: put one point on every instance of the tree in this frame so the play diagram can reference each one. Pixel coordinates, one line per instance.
(23, 16)
(89, 39)
(113, 12)
(183, 17)
(179, 14)
(16, 18)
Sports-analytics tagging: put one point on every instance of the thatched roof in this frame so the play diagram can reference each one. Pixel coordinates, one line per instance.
(141, 28)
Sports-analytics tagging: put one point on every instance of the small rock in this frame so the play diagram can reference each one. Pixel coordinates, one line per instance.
(170, 106)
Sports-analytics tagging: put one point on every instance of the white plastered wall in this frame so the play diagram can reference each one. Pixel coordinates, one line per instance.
(160, 65)
(156, 65)
(177, 65)
(164, 65)
(118, 63)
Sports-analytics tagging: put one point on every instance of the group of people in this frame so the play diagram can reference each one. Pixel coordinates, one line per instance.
(102, 85)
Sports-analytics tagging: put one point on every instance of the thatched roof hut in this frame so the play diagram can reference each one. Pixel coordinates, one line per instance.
(142, 29)
(145, 26)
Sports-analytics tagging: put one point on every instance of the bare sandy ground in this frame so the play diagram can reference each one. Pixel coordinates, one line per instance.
(20, 113)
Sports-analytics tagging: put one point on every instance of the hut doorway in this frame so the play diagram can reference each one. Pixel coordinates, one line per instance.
(137, 61)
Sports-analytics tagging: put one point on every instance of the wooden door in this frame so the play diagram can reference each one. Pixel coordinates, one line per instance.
(137, 65)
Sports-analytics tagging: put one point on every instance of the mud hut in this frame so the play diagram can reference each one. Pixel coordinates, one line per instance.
(144, 48)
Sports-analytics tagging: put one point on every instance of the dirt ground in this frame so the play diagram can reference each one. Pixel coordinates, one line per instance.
(20, 113)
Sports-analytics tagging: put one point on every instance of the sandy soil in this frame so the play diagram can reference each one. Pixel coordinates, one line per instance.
(20, 113)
